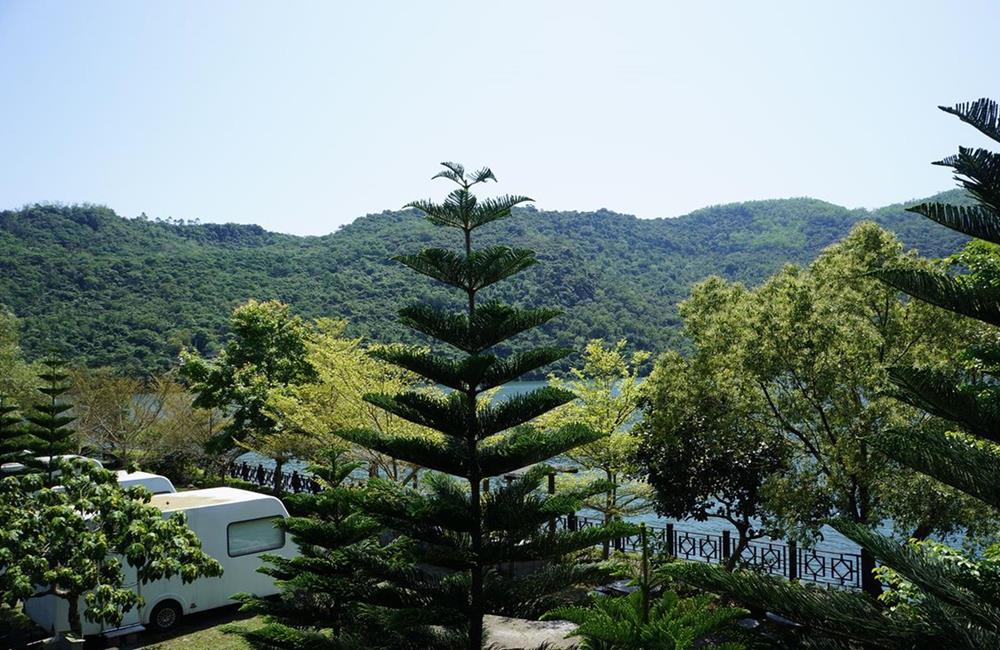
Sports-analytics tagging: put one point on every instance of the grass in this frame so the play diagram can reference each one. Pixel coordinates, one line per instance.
(201, 634)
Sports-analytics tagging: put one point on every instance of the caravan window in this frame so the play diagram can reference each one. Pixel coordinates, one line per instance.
(254, 536)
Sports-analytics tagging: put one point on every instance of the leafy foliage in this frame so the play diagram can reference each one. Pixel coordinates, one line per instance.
(49, 417)
(331, 593)
(639, 621)
(703, 450)
(346, 370)
(938, 597)
(71, 541)
(100, 290)
(808, 355)
(674, 623)
(267, 351)
(607, 386)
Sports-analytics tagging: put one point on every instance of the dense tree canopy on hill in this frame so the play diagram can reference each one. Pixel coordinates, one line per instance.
(103, 290)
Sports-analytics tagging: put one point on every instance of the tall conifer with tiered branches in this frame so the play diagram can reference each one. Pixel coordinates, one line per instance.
(14, 440)
(943, 600)
(49, 418)
(476, 542)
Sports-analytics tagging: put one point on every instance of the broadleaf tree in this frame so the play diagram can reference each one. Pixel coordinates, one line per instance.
(476, 538)
(266, 351)
(938, 597)
(334, 400)
(72, 541)
(704, 453)
(815, 346)
(608, 389)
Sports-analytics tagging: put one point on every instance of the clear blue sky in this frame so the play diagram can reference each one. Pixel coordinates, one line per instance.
(303, 116)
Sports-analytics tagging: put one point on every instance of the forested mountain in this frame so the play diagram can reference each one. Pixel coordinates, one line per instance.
(105, 290)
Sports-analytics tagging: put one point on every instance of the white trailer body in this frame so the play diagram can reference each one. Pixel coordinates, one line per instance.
(153, 482)
(235, 527)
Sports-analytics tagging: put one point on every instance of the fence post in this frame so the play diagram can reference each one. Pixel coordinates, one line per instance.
(670, 540)
(296, 482)
(260, 474)
(486, 485)
(793, 560)
(725, 546)
(571, 522)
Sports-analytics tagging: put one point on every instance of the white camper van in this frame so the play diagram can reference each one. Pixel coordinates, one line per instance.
(153, 482)
(235, 526)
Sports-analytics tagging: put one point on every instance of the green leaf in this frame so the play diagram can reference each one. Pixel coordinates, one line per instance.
(973, 220)
(945, 581)
(942, 395)
(966, 465)
(526, 446)
(981, 113)
(492, 323)
(494, 209)
(519, 364)
(520, 409)
(945, 292)
(446, 455)
(481, 269)
(446, 414)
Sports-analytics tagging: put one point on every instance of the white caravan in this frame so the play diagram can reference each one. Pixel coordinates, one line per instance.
(153, 482)
(235, 526)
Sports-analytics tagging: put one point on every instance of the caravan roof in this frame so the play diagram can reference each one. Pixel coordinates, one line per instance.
(205, 498)
(153, 482)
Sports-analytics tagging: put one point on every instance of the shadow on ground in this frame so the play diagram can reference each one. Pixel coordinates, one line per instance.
(195, 631)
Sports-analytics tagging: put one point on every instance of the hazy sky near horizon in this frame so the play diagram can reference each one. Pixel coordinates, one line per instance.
(302, 116)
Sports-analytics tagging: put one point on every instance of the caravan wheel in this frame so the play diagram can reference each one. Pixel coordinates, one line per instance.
(165, 616)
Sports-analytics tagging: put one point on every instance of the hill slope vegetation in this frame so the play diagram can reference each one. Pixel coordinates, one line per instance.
(104, 290)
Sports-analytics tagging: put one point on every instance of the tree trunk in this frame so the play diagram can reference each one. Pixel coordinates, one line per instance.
(75, 624)
(606, 546)
(869, 584)
(475, 483)
(922, 531)
(742, 543)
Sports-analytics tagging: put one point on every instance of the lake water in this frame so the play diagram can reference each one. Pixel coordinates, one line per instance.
(831, 541)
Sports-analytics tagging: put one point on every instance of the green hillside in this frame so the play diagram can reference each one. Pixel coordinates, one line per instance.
(106, 290)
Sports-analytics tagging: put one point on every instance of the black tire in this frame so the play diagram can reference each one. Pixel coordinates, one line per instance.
(165, 616)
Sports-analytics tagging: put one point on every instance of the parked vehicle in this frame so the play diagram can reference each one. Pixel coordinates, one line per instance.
(15, 467)
(235, 526)
(153, 482)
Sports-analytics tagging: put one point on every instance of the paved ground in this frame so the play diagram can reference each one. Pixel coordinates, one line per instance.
(519, 634)
(203, 632)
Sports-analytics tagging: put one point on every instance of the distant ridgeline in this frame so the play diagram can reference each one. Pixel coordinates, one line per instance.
(103, 290)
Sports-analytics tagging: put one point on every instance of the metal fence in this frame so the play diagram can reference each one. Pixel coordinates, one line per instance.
(267, 477)
(832, 568)
(787, 559)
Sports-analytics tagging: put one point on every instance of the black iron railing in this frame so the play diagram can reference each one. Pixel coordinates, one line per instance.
(268, 477)
(826, 567)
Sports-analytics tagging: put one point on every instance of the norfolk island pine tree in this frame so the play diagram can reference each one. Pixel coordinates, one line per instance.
(476, 538)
